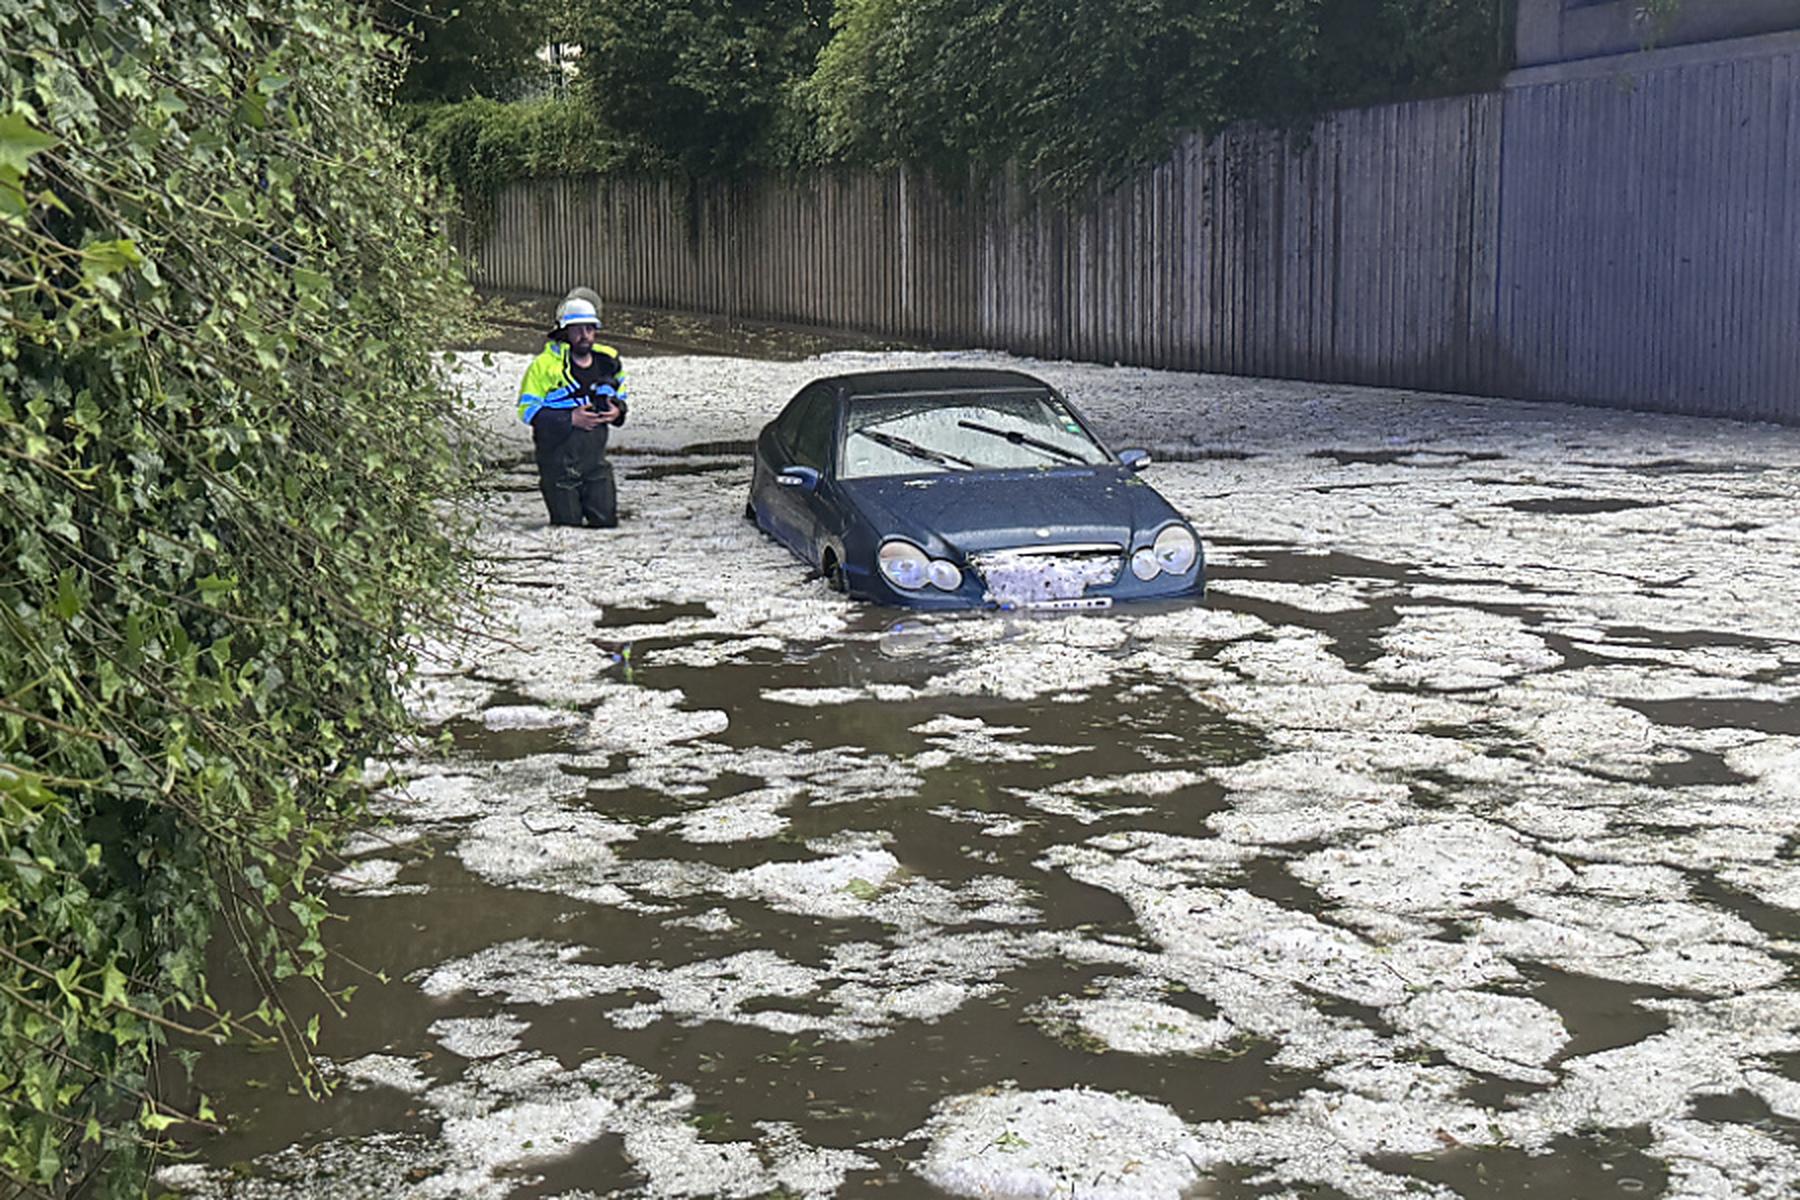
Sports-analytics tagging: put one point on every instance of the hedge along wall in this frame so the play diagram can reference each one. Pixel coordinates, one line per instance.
(1624, 232)
(224, 464)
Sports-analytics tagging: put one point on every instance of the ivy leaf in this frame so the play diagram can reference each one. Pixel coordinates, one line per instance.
(112, 985)
(13, 205)
(253, 110)
(19, 141)
(27, 872)
(26, 790)
(100, 259)
(68, 600)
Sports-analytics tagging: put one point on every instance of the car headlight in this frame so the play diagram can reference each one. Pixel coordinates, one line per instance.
(906, 566)
(1176, 550)
(1144, 564)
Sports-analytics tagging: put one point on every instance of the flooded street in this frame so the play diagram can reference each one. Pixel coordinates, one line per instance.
(1447, 849)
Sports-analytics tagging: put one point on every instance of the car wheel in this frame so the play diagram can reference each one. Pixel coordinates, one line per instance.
(750, 512)
(833, 572)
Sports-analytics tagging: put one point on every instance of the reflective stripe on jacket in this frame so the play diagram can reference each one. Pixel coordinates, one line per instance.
(548, 382)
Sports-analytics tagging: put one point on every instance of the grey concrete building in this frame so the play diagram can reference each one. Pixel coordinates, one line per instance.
(1555, 31)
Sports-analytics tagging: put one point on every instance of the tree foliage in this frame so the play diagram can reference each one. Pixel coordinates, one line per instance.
(459, 49)
(1079, 89)
(704, 84)
(226, 450)
(1072, 90)
(1370, 51)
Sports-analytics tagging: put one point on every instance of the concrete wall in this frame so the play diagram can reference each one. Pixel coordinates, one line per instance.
(1551, 31)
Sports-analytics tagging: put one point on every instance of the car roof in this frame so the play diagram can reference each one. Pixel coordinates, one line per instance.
(930, 379)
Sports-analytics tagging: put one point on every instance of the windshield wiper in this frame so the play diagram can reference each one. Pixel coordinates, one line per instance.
(912, 449)
(1025, 439)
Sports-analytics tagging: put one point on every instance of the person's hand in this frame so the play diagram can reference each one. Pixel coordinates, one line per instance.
(607, 415)
(581, 418)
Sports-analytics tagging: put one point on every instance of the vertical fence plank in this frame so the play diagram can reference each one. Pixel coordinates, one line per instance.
(1778, 382)
(1386, 243)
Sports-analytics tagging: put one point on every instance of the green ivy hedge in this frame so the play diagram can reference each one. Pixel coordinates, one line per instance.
(479, 146)
(228, 491)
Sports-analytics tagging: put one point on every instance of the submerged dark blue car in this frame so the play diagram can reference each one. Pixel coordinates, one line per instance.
(964, 488)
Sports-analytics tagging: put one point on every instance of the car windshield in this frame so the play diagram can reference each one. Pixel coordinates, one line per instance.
(913, 433)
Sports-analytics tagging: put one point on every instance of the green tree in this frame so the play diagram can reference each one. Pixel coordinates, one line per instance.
(458, 49)
(705, 84)
(1368, 51)
(1079, 89)
(228, 459)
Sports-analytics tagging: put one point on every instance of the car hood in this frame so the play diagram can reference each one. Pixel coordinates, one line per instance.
(977, 511)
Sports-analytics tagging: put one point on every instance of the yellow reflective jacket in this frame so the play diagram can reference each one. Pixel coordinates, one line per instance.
(548, 382)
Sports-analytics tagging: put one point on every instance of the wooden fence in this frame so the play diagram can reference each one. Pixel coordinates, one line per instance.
(1623, 233)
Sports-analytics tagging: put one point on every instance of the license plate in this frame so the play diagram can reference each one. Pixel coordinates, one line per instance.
(1078, 602)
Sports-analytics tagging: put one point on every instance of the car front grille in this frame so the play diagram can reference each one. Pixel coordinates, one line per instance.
(1034, 574)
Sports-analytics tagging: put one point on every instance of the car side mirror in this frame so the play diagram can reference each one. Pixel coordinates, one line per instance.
(1134, 460)
(804, 478)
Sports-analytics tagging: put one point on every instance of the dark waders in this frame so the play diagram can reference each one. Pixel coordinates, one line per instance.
(574, 476)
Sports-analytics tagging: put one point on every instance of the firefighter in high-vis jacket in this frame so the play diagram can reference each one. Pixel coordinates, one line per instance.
(570, 396)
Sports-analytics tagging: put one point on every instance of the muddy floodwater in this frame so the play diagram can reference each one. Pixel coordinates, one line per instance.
(1447, 849)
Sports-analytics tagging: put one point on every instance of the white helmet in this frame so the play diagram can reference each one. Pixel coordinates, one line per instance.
(576, 311)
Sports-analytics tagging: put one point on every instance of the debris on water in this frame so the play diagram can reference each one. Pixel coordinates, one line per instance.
(713, 920)
(824, 887)
(973, 740)
(479, 1037)
(384, 1070)
(370, 877)
(1132, 1026)
(1337, 596)
(813, 697)
(1713, 1159)
(1064, 1144)
(1442, 866)
(747, 817)
(1509, 1036)
(545, 849)
(433, 700)
(1460, 649)
(631, 718)
(528, 716)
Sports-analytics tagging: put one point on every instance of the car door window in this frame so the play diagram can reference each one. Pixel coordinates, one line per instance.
(809, 427)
